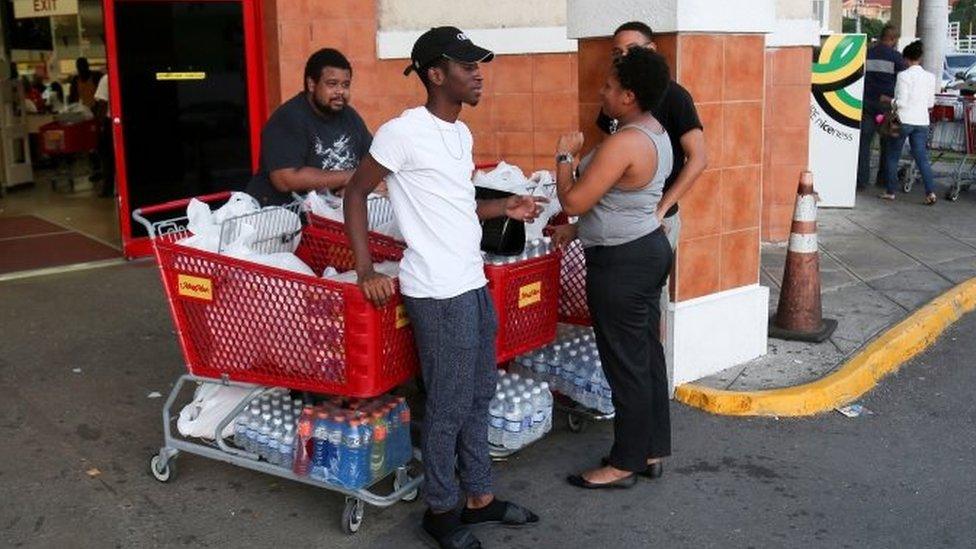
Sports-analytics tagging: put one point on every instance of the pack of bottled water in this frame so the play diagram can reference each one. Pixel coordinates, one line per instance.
(267, 426)
(353, 442)
(571, 365)
(537, 247)
(520, 412)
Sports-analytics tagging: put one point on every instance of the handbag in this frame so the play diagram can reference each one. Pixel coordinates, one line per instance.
(501, 235)
(891, 125)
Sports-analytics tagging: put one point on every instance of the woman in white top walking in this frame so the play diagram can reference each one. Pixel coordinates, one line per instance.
(914, 96)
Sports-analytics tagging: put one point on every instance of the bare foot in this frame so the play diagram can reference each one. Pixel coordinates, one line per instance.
(606, 474)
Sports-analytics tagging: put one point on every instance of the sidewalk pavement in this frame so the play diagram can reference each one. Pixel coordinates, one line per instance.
(879, 263)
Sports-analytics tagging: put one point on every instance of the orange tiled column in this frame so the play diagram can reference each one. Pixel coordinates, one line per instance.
(786, 135)
(718, 313)
(529, 99)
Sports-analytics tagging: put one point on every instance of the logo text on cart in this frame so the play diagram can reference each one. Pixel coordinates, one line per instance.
(530, 294)
(194, 286)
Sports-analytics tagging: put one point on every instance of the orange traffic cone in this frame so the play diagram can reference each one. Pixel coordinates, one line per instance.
(799, 314)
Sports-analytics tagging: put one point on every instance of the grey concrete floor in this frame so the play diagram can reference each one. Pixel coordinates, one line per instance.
(879, 262)
(902, 477)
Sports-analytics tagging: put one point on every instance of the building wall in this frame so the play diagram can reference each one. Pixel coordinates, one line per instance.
(786, 134)
(528, 101)
(719, 247)
(423, 14)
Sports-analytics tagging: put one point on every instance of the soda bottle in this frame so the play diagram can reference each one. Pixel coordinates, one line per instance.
(377, 456)
(320, 444)
(303, 437)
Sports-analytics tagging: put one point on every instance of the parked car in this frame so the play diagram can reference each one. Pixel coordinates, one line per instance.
(955, 67)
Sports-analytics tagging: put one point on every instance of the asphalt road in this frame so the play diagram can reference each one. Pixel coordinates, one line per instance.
(74, 448)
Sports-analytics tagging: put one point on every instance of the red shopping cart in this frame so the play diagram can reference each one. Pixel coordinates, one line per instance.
(64, 142)
(250, 325)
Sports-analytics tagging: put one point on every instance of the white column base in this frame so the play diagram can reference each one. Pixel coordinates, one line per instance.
(709, 334)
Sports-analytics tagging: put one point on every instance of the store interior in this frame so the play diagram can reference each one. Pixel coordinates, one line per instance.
(51, 191)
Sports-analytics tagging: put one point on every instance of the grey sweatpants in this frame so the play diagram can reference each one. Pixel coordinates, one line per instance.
(672, 225)
(456, 345)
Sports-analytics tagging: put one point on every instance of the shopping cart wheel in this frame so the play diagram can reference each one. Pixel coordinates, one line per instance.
(164, 473)
(576, 423)
(953, 193)
(352, 515)
(908, 178)
(401, 478)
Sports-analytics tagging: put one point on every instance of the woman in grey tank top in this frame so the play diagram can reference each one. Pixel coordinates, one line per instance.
(628, 259)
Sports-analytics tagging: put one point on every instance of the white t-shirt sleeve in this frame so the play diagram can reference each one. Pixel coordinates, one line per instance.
(101, 92)
(391, 146)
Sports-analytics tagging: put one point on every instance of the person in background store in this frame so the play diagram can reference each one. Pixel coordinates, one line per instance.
(315, 140)
(426, 156)
(914, 96)
(676, 112)
(106, 151)
(83, 84)
(880, 69)
(628, 259)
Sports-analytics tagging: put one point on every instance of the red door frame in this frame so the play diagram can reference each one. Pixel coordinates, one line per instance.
(257, 107)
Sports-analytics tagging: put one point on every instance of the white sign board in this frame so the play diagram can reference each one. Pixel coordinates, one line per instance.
(44, 8)
(835, 117)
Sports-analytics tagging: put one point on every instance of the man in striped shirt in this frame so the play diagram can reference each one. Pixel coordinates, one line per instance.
(882, 66)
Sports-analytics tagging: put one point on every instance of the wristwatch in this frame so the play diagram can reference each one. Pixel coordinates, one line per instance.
(564, 158)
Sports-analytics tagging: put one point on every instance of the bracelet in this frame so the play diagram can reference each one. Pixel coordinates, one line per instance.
(564, 158)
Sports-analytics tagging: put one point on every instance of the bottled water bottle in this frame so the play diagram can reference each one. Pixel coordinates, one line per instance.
(286, 446)
(546, 404)
(527, 413)
(539, 413)
(274, 440)
(496, 419)
(512, 437)
(262, 441)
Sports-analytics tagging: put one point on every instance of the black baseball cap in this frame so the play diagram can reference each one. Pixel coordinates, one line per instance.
(449, 42)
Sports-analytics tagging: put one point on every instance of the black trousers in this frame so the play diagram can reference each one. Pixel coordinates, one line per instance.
(623, 291)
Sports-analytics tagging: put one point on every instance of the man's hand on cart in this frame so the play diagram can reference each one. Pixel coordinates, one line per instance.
(524, 208)
(378, 288)
(564, 235)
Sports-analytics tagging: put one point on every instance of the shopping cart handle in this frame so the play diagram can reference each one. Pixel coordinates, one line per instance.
(139, 214)
(181, 203)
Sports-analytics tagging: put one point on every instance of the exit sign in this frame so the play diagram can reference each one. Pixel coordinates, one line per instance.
(44, 8)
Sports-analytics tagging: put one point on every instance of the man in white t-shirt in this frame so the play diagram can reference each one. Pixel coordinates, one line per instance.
(425, 157)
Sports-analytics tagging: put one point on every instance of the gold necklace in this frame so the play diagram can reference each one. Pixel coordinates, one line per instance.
(441, 131)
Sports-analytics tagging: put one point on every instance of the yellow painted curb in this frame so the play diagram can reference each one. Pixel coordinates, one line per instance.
(859, 375)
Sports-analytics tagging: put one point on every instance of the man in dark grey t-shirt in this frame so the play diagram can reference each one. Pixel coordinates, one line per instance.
(313, 141)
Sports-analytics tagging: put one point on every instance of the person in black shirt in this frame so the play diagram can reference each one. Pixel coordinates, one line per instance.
(313, 141)
(678, 115)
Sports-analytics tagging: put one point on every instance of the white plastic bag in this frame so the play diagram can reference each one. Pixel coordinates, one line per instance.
(241, 249)
(211, 403)
(325, 205)
(205, 234)
(237, 205)
(505, 177)
(388, 268)
(543, 182)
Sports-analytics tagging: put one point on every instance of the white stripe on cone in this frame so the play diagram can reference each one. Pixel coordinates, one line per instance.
(806, 208)
(803, 243)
